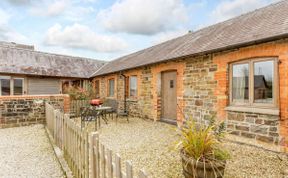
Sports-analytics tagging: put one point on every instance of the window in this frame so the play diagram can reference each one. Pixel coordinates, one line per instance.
(111, 87)
(253, 82)
(11, 86)
(133, 86)
(18, 86)
(5, 85)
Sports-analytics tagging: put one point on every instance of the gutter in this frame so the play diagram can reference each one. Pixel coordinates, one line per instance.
(125, 99)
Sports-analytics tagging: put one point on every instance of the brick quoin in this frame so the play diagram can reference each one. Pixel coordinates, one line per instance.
(273, 49)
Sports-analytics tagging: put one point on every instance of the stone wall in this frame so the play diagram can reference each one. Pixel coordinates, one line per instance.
(257, 126)
(146, 96)
(199, 87)
(18, 111)
(203, 91)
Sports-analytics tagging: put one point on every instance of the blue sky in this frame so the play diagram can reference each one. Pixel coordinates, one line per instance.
(107, 29)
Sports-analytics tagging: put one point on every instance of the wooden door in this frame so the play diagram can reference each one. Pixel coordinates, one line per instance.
(169, 95)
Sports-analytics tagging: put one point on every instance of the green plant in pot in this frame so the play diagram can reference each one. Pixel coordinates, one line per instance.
(201, 149)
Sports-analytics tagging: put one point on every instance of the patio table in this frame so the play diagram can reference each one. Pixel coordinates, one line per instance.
(103, 112)
(93, 113)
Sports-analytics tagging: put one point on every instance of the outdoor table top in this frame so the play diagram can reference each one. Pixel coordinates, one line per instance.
(103, 108)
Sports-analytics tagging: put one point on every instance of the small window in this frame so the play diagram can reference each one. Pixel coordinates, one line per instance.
(133, 86)
(253, 82)
(18, 86)
(5, 85)
(111, 87)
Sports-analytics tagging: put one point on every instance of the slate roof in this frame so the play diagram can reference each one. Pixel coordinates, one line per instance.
(24, 60)
(262, 25)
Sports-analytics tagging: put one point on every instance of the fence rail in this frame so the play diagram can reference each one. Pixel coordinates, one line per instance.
(85, 155)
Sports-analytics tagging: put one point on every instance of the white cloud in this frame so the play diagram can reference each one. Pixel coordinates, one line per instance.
(165, 36)
(144, 17)
(4, 17)
(230, 8)
(81, 36)
(6, 32)
(49, 7)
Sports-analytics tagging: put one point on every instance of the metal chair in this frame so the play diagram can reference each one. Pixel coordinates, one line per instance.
(115, 109)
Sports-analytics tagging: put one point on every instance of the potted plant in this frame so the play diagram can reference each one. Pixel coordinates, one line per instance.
(201, 149)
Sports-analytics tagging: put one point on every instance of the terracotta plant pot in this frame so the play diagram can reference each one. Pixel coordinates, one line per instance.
(191, 169)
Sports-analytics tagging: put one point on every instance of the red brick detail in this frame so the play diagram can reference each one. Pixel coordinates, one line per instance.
(273, 49)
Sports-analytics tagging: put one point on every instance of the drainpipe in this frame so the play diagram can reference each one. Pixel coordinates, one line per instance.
(125, 103)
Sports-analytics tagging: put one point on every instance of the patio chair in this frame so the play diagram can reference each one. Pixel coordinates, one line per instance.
(88, 114)
(113, 104)
(115, 109)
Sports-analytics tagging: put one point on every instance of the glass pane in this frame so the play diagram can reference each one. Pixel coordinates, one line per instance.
(240, 83)
(5, 86)
(18, 86)
(133, 86)
(111, 87)
(263, 81)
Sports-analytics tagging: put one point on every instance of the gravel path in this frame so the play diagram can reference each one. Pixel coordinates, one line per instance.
(149, 145)
(26, 152)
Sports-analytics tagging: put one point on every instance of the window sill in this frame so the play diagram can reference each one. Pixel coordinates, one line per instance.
(132, 99)
(268, 111)
(110, 97)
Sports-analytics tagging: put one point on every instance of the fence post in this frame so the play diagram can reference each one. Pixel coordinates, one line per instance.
(109, 163)
(118, 166)
(54, 124)
(102, 161)
(96, 154)
(87, 154)
(129, 170)
(91, 154)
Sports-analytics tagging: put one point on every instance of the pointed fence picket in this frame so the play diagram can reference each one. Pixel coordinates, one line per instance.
(85, 155)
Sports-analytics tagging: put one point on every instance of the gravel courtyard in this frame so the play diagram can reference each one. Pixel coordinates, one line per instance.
(150, 146)
(26, 152)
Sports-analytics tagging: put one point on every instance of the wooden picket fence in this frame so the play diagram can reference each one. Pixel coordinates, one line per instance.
(85, 155)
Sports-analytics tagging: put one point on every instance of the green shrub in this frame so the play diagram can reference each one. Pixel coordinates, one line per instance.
(203, 142)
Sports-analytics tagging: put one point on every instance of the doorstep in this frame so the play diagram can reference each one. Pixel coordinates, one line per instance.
(168, 121)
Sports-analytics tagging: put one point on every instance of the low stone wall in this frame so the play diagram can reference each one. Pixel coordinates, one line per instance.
(18, 111)
(133, 108)
(257, 126)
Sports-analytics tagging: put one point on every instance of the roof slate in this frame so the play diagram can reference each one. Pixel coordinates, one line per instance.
(26, 61)
(260, 25)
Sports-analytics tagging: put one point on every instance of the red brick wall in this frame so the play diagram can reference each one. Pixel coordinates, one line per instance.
(274, 49)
